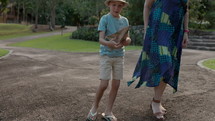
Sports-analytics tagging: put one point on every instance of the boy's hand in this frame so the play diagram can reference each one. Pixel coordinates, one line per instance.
(112, 44)
(126, 42)
(118, 46)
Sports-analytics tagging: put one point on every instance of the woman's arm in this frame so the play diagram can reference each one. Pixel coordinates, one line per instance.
(186, 18)
(186, 27)
(146, 12)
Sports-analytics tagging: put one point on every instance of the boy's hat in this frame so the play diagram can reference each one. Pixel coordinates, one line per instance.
(108, 1)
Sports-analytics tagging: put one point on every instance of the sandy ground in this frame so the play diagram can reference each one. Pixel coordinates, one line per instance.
(44, 85)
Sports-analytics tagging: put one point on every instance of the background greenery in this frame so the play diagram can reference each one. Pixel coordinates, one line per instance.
(64, 43)
(9, 31)
(88, 12)
(13, 29)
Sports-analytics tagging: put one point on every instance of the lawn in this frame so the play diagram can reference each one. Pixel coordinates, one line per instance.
(3, 52)
(63, 43)
(8, 31)
(13, 29)
(210, 63)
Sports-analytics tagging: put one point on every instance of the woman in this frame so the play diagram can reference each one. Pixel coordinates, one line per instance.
(166, 33)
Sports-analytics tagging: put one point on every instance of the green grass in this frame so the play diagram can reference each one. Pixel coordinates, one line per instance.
(3, 52)
(9, 31)
(210, 63)
(21, 35)
(63, 43)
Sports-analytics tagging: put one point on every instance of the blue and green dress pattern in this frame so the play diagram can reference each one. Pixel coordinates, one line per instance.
(162, 46)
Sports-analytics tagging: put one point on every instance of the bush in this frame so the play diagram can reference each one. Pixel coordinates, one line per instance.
(86, 33)
(136, 34)
(91, 34)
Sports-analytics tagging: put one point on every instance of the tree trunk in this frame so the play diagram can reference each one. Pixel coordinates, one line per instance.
(23, 12)
(18, 12)
(53, 16)
(36, 15)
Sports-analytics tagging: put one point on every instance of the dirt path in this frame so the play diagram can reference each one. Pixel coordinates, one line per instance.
(43, 85)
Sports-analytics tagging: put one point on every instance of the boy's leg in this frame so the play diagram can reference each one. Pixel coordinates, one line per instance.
(105, 75)
(100, 91)
(117, 72)
(112, 96)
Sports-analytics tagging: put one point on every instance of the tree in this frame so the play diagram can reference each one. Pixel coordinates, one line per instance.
(90, 9)
(37, 5)
(25, 6)
(134, 12)
(201, 12)
(52, 5)
(210, 15)
(3, 5)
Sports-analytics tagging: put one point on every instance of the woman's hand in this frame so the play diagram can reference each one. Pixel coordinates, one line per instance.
(185, 40)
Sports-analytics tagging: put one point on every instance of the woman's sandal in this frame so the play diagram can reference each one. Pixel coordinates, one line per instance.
(158, 115)
(91, 116)
(109, 118)
(164, 111)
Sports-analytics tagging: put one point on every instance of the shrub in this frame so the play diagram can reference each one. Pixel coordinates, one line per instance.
(86, 33)
(136, 34)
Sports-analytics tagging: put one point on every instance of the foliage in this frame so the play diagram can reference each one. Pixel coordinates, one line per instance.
(134, 12)
(86, 33)
(136, 34)
(89, 12)
(202, 14)
(210, 15)
(3, 5)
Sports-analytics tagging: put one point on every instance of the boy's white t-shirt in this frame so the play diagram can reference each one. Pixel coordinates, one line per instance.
(111, 25)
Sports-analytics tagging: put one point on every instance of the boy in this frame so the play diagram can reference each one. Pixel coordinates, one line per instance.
(112, 57)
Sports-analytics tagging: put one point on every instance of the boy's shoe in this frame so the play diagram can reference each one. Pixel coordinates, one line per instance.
(91, 116)
(109, 118)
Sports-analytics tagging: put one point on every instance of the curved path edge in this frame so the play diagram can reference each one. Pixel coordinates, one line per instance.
(200, 64)
(8, 54)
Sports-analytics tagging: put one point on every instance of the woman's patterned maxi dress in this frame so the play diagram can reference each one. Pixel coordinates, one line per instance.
(162, 46)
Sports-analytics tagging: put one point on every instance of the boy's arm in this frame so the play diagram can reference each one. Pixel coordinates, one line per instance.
(110, 44)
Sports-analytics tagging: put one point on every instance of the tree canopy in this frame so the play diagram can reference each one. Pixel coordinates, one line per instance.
(3, 5)
(88, 12)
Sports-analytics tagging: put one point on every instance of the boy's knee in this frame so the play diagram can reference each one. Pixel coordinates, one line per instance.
(115, 84)
(104, 84)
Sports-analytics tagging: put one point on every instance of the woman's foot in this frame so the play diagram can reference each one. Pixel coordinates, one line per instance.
(157, 109)
(164, 111)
